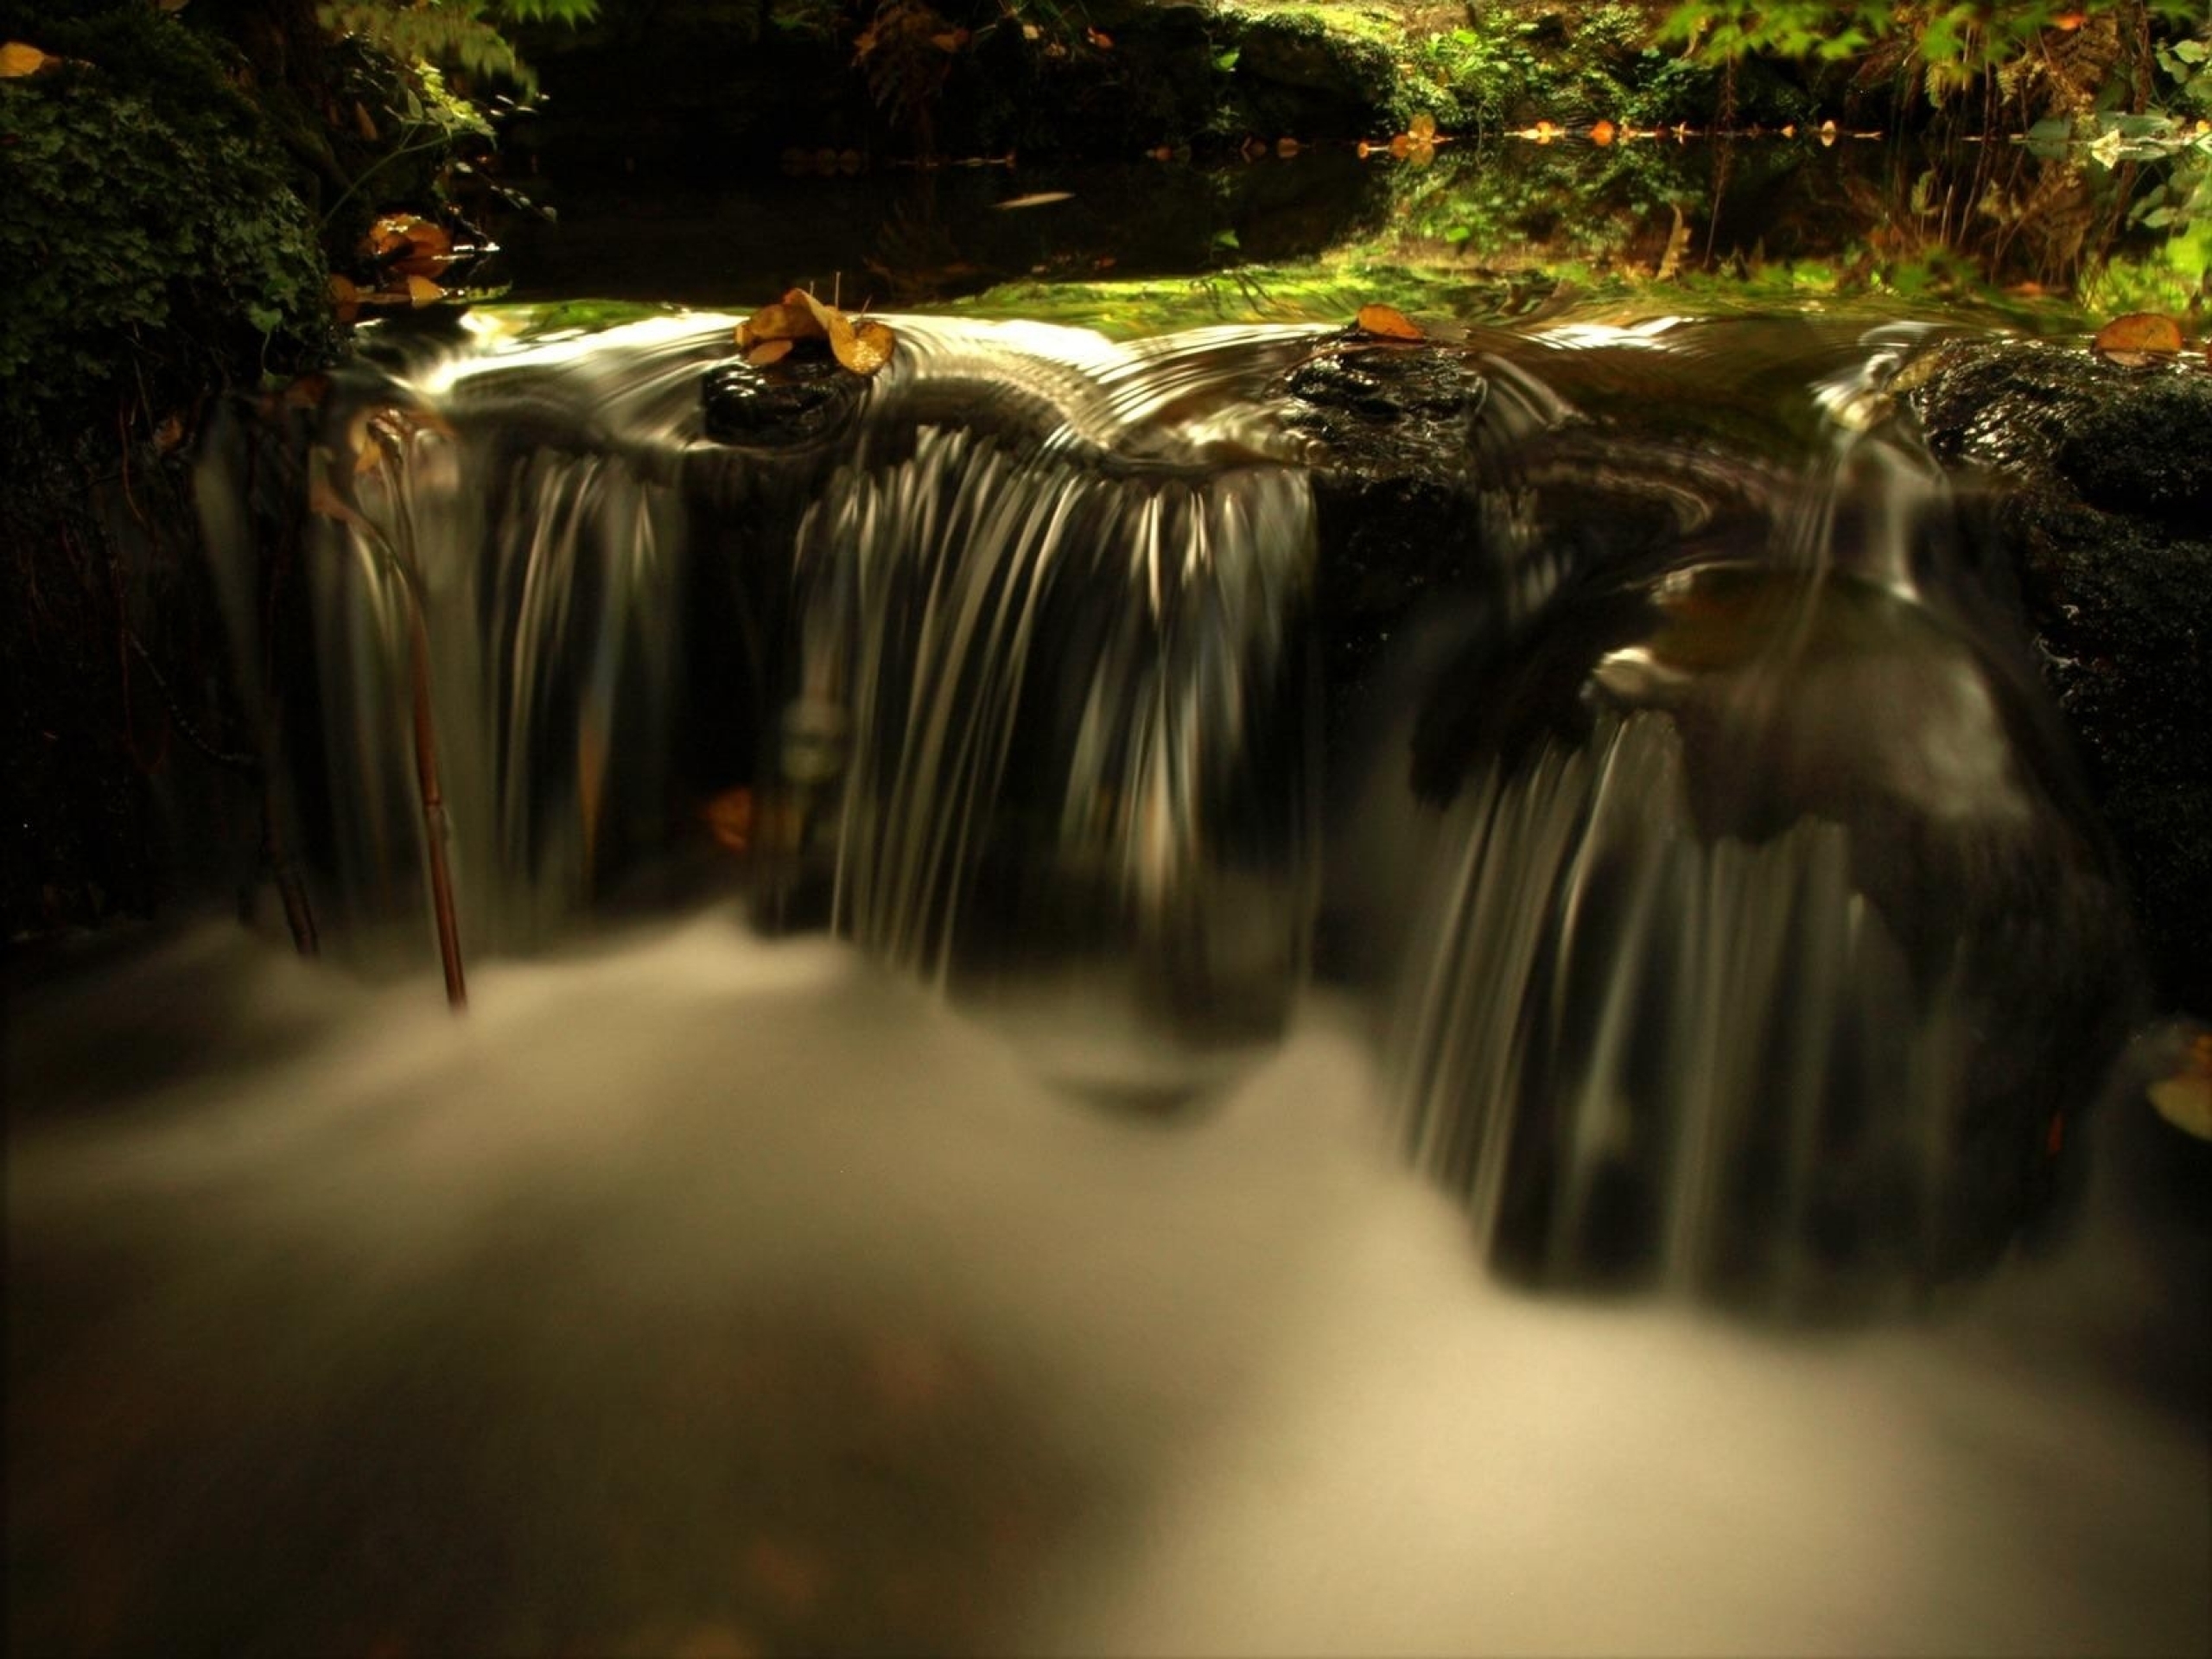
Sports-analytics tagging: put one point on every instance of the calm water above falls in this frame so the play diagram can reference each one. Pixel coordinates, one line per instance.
(1024, 1203)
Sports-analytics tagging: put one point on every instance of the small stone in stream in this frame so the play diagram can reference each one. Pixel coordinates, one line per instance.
(796, 400)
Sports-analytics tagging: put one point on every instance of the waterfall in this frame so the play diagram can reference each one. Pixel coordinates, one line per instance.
(1754, 899)
(1751, 959)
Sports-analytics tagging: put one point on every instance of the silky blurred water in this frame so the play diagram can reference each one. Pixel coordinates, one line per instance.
(709, 1295)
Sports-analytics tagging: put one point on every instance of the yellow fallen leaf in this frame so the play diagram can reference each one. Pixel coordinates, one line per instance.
(872, 344)
(421, 290)
(761, 353)
(863, 349)
(17, 58)
(1036, 198)
(1422, 128)
(2140, 332)
(1388, 322)
(785, 320)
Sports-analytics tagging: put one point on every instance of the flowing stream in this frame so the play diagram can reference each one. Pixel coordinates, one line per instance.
(1048, 1070)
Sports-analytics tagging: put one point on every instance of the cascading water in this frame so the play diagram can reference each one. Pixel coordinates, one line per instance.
(1765, 909)
(1591, 754)
(1037, 687)
(1713, 974)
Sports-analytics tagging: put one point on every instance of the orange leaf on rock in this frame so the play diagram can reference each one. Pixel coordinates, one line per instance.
(2139, 333)
(421, 290)
(762, 353)
(1388, 322)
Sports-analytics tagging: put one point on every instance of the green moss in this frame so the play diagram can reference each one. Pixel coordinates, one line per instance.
(1330, 290)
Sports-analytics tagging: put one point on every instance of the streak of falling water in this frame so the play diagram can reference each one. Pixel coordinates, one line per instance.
(1639, 1050)
(1090, 688)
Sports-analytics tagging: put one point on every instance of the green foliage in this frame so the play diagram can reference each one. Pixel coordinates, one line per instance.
(152, 242)
(1505, 70)
(1949, 45)
(470, 35)
(2187, 66)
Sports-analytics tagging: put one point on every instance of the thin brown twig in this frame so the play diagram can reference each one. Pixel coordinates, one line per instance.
(434, 802)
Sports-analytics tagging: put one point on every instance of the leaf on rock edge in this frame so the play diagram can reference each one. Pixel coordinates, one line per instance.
(1388, 322)
(2139, 332)
(863, 349)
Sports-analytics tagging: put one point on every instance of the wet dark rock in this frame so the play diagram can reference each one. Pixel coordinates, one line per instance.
(2148, 450)
(1392, 429)
(790, 403)
(2106, 520)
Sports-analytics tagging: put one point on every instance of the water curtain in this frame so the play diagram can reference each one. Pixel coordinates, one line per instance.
(1758, 944)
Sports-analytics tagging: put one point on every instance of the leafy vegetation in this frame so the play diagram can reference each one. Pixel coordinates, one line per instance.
(2035, 55)
(472, 36)
(153, 236)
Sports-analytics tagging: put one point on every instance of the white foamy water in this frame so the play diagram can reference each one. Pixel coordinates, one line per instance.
(707, 1295)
